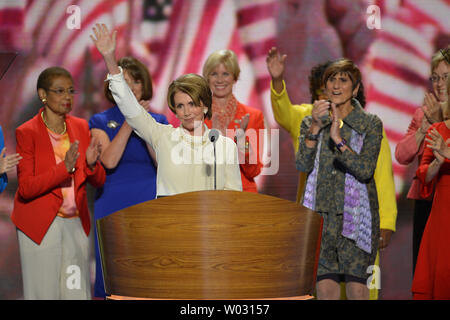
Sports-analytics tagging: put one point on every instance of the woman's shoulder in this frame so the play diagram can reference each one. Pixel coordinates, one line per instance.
(248, 109)
(106, 114)
(76, 121)
(30, 124)
(370, 120)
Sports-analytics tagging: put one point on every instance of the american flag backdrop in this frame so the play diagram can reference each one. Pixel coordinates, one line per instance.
(397, 66)
(172, 37)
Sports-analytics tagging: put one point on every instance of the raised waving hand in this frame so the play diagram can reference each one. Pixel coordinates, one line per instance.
(105, 43)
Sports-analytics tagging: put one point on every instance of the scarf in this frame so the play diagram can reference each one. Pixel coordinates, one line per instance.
(357, 217)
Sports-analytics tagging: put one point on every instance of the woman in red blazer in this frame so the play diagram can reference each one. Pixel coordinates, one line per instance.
(233, 118)
(50, 206)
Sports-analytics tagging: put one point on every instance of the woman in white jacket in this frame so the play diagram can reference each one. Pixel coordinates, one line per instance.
(185, 155)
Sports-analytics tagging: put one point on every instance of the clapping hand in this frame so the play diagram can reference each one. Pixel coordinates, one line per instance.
(93, 152)
(240, 132)
(437, 144)
(71, 156)
(335, 130)
(9, 162)
(320, 111)
(433, 110)
(243, 123)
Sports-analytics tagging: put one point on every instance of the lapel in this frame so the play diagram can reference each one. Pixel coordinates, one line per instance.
(357, 119)
(240, 112)
(72, 131)
(44, 150)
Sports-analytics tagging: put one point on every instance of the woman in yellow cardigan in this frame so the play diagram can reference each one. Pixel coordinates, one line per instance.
(290, 116)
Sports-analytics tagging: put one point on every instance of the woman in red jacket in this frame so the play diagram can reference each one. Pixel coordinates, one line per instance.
(50, 206)
(232, 118)
(432, 275)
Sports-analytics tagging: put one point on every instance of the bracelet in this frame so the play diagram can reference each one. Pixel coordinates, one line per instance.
(341, 144)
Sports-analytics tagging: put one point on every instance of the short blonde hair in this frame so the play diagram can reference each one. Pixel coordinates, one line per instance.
(227, 57)
(196, 87)
(438, 57)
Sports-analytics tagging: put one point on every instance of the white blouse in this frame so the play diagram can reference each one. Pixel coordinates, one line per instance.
(185, 162)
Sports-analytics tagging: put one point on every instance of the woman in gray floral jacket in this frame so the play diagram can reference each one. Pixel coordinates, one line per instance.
(339, 146)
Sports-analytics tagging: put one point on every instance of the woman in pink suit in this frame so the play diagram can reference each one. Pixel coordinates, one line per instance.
(50, 206)
(410, 149)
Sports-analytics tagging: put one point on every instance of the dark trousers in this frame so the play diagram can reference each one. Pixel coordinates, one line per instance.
(422, 209)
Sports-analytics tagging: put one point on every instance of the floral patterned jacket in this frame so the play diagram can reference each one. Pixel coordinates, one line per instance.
(333, 164)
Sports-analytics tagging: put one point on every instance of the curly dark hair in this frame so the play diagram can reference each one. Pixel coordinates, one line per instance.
(315, 79)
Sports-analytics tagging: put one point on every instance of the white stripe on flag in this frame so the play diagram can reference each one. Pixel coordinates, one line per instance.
(396, 87)
(409, 34)
(400, 57)
(395, 120)
(258, 31)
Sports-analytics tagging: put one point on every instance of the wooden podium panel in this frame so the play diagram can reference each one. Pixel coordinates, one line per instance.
(210, 245)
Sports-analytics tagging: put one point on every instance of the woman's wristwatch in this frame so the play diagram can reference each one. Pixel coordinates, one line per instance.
(341, 144)
(312, 137)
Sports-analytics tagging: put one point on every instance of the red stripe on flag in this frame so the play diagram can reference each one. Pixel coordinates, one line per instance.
(259, 49)
(104, 7)
(55, 32)
(29, 3)
(263, 83)
(11, 17)
(235, 44)
(393, 135)
(416, 14)
(391, 68)
(399, 42)
(176, 21)
(255, 13)
(399, 169)
(391, 102)
(206, 24)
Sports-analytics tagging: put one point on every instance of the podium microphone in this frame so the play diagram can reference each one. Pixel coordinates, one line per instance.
(213, 136)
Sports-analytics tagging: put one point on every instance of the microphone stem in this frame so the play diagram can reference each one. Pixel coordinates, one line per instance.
(214, 144)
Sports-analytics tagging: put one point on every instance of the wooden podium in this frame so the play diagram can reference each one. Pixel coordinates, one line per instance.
(210, 245)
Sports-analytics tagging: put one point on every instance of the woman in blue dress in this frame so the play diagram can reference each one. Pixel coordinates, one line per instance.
(7, 163)
(129, 161)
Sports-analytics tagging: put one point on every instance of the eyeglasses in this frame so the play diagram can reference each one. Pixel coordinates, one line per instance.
(60, 91)
(435, 78)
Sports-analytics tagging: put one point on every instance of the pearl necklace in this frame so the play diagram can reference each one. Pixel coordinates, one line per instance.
(46, 124)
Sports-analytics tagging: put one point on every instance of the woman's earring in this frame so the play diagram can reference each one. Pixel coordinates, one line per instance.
(205, 111)
(44, 100)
